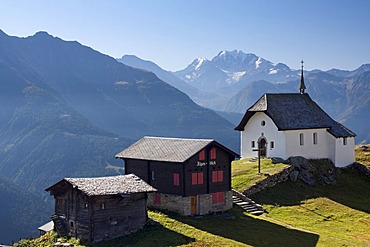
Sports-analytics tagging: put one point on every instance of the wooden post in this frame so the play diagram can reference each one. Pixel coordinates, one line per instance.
(259, 159)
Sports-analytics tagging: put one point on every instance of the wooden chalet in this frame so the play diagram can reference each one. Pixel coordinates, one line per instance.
(192, 176)
(100, 208)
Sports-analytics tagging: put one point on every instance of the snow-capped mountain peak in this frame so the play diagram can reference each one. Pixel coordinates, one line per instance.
(233, 67)
(198, 62)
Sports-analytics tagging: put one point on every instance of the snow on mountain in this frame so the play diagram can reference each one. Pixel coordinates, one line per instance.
(200, 61)
(234, 67)
(258, 62)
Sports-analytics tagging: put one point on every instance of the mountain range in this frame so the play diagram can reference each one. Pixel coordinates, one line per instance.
(237, 79)
(66, 110)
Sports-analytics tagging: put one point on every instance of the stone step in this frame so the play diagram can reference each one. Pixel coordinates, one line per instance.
(259, 212)
(244, 203)
(248, 205)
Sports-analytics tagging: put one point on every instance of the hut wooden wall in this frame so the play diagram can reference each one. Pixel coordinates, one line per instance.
(119, 216)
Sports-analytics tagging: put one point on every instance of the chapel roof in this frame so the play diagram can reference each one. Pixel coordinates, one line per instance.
(292, 111)
(167, 149)
(111, 185)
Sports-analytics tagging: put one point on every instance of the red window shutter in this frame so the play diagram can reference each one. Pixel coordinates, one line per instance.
(214, 176)
(157, 198)
(200, 177)
(202, 155)
(176, 179)
(214, 197)
(220, 196)
(220, 176)
(213, 153)
(194, 178)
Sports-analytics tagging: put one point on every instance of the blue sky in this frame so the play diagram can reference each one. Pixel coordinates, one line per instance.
(172, 33)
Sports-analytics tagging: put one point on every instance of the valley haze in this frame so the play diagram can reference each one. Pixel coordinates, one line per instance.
(67, 109)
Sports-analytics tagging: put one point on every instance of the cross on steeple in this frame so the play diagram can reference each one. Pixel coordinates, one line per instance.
(302, 87)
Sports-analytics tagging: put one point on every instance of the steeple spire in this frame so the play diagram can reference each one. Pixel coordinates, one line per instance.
(302, 87)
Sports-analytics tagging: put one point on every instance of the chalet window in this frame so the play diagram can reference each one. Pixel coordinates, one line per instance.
(72, 224)
(217, 176)
(344, 140)
(103, 206)
(176, 179)
(314, 136)
(218, 197)
(213, 153)
(86, 205)
(202, 155)
(253, 144)
(272, 144)
(152, 175)
(157, 198)
(197, 178)
(301, 139)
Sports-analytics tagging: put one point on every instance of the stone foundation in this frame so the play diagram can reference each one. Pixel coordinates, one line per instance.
(182, 205)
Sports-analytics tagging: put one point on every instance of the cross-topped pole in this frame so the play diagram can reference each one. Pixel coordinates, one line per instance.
(302, 87)
(259, 158)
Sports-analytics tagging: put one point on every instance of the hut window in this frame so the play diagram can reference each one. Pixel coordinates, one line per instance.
(202, 155)
(72, 224)
(217, 176)
(103, 206)
(272, 144)
(218, 197)
(301, 139)
(176, 179)
(344, 140)
(253, 144)
(152, 175)
(314, 136)
(86, 205)
(213, 153)
(197, 178)
(157, 198)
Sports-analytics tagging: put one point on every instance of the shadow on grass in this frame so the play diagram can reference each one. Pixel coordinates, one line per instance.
(350, 190)
(154, 235)
(248, 230)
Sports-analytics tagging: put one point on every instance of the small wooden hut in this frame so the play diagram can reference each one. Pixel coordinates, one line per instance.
(100, 208)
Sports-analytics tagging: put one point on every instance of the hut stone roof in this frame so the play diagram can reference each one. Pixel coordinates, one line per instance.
(167, 149)
(112, 185)
(294, 111)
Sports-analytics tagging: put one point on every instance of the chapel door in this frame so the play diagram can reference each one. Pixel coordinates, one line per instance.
(193, 205)
(262, 147)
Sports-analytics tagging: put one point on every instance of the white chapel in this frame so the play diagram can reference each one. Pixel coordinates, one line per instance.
(292, 124)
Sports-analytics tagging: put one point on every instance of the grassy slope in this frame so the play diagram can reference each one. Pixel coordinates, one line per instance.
(363, 155)
(338, 213)
(245, 173)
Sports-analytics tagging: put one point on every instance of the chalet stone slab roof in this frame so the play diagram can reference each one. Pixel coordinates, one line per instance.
(295, 111)
(112, 185)
(166, 149)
